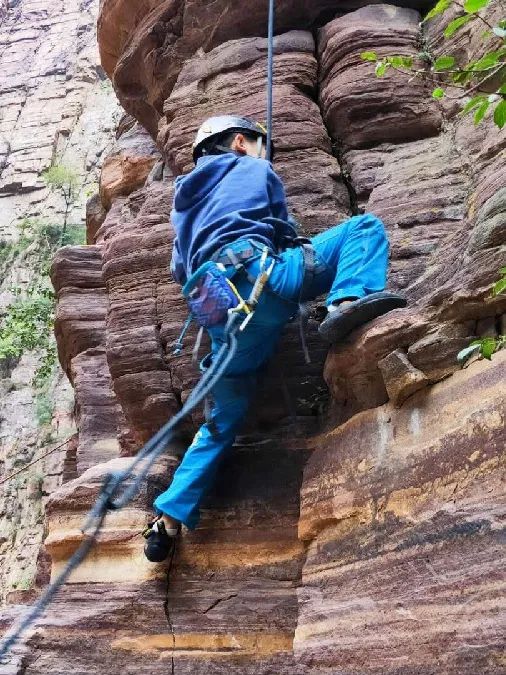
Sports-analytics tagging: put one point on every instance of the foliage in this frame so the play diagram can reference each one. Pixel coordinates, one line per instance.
(27, 326)
(485, 77)
(63, 179)
(28, 319)
(484, 347)
(24, 583)
(487, 346)
(74, 235)
(500, 285)
(44, 407)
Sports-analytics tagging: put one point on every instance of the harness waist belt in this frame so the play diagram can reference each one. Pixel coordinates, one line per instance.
(248, 248)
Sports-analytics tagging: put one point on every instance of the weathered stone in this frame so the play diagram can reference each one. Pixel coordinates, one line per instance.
(401, 378)
(54, 107)
(359, 108)
(436, 353)
(419, 190)
(82, 303)
(143, 51)
(490, 230)
(98, 412)
(95, 216)
(126, 168)
(392, 504)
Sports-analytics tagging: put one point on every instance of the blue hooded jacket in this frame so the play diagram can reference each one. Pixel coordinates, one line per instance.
(225, 198)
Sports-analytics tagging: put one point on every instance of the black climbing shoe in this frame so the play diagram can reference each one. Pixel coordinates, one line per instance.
(343, 320)
(159, 545)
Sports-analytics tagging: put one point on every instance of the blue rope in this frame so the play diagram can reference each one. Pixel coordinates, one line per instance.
(270, 75)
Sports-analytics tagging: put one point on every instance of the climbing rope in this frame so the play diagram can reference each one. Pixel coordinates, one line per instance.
(108, 498)
(270, 78)
(27, 466)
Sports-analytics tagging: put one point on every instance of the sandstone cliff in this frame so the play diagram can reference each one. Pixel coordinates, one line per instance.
(56, 106)
(351, 533)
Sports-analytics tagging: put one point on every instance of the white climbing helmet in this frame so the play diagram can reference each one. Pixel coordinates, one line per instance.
(223, 124)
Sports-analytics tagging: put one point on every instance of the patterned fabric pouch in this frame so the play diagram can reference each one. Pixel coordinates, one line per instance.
(210, 295)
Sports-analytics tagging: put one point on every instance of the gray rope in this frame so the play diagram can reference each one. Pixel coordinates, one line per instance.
(108, 499)
(270, 77)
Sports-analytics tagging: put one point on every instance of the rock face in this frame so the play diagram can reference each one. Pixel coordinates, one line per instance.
(354, 535)
(392, 502)
(56, 106)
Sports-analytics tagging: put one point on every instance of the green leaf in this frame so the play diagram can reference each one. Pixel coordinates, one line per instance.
(487, 61)
(488, 347)
(480, 113)
(461, 78)
(502, 89)
(499, 287)
(438, 93)
(502, 270)
(500, 114)
(466, 353)
(443, 63)
(439, 8)
(454, 25)
(395, 60)
(476, 100)
(400, 61)
(473, 6)
(369, 56)
(381, 68)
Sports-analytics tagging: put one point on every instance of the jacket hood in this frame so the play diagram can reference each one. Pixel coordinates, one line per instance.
(195, 186)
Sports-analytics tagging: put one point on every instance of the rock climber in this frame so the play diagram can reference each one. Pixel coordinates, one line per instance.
(228, 209)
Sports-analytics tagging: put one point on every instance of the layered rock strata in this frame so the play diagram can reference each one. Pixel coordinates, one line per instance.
(56, 106)
(393, 502)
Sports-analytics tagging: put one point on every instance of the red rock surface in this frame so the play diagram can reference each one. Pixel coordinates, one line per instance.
(126, 168)
(382, 554)
(207, 86)
(359, 108)
(402, 510)
(143, 48)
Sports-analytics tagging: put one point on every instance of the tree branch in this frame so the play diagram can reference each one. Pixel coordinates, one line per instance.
(475, 15)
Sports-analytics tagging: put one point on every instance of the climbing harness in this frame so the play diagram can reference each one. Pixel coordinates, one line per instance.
(212, 296)
(110, 496)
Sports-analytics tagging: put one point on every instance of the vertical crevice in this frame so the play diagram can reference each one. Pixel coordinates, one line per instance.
(338, 152)
(167, 608)
(337, 144)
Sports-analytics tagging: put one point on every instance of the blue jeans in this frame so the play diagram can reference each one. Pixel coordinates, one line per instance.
(352, 261)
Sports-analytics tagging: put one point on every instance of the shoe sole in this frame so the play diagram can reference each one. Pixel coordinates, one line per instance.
(340, 323)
